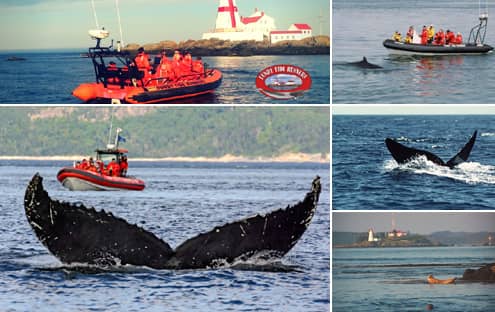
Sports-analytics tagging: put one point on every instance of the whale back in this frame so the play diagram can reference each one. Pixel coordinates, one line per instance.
(76, 234)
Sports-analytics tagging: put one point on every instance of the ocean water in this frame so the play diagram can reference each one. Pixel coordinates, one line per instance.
(394, 279)
(50, 77)
(179, 201)
(360, 27)
(365, 176)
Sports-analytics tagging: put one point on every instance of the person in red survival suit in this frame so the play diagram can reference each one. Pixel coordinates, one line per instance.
(458, 38)
(450, 37)
(176, 61)
(123, 166)
(84, 164)
(424, 35)
(113, 168)
(198, 66)
(142, 61)
(439, 38)
(100, 166)
(186, 64)
(92, 166)
(165, 70)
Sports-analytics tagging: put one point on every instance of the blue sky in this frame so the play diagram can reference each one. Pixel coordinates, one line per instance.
(47, 24)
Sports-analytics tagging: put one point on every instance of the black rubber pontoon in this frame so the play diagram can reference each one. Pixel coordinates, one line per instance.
(430, 49)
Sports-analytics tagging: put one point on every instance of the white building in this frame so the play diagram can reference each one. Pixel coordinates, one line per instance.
(396, 234)
(295, 32)
(258, 22)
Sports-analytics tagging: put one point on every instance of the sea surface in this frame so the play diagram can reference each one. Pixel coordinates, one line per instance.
(180, 200)
(394, 279)
(50, 77)
(365, 176)
(359, 29)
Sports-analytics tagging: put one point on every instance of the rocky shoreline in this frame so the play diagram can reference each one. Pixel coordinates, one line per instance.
(319, 45)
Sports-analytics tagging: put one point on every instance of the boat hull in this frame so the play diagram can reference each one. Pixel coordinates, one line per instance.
(84, 180)
(395, 47)
(97, 92)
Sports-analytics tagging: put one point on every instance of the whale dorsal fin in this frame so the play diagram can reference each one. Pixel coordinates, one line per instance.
(463, 155)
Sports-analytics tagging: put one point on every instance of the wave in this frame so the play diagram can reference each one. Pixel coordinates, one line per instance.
(468, 172)
(488, 134)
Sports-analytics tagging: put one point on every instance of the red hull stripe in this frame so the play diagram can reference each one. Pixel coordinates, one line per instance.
(106, 181)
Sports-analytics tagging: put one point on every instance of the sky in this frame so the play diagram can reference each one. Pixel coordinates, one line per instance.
(400, 109)
(51, 24)
(419, 222)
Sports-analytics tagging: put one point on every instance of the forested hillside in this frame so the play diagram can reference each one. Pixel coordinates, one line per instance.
(167, 131)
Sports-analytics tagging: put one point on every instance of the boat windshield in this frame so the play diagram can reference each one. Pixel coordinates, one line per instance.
(107, 157)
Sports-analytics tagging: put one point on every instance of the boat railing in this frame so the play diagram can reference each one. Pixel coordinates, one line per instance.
(478, 32)
(167, 82)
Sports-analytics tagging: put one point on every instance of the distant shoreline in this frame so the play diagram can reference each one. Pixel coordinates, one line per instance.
(289, 157)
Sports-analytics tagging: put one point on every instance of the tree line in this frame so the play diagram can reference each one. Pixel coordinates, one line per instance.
(167, 131)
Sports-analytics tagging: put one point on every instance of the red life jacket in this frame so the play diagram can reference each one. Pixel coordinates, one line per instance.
(450, 39)
(114, 168)
(198, 66)
(440, 38)
(165, 70)
(424, 36)
(142, 61)
(84, 165)
(123, 167)
(458, 39)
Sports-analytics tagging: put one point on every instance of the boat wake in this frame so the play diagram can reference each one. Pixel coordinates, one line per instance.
(468, 172)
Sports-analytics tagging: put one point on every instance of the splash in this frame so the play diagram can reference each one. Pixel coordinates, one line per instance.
(468, 172)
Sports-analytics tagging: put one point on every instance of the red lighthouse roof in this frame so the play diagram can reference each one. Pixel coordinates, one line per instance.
(252, 19)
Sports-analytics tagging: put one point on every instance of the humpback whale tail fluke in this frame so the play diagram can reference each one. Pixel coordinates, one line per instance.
(403, 154)
(76, 234)
(463, 155)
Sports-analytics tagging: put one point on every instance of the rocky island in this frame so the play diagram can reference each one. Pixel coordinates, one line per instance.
(411, 241)
(484, 274)
(395, 238)
(318, 45)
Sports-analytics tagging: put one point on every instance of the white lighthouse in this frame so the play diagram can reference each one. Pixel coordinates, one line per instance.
(371, 237)
(229, 25)
(227, 16)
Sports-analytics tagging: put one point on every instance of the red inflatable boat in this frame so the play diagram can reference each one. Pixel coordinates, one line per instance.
(108, 172)
(84, 180)
(120, 80)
